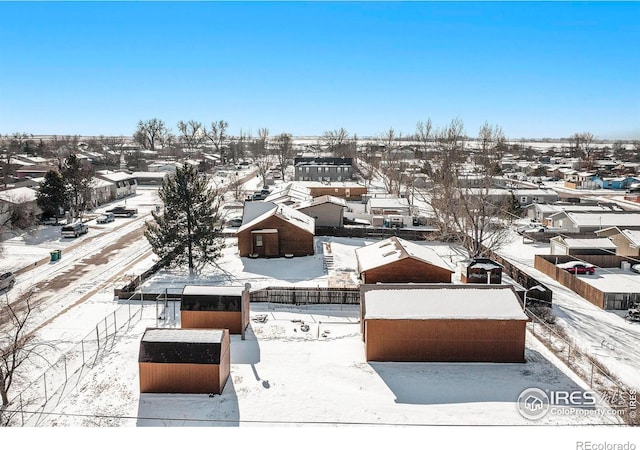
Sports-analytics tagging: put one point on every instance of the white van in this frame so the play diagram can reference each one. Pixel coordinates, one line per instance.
(74, 229)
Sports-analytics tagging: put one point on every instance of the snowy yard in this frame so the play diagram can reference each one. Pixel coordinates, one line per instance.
(283, 376)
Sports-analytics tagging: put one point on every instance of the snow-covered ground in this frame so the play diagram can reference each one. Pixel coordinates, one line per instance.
(281, 377)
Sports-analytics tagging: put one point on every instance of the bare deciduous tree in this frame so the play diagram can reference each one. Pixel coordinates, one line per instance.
(217, 134)
(262, 156)
(17, 346)
(284, 152)
(150, 133)
(192, 134)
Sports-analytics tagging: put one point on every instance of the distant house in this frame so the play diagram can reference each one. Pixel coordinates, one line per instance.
(570, 222)
(22, 197)
(33, 171)
(186, 361)
(560, 245)
(328, 211)
(435, 323)
(150, 178)
(395, 260)
(541, 212)
(627, 242)
(323, 169)
(101, 191)
(289, 194)
(523, 196)
(124, 183)
(272, 230)
(387, 206)
(619, 183)
(349, 190)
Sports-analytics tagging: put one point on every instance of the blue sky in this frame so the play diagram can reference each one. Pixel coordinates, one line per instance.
(539, 69)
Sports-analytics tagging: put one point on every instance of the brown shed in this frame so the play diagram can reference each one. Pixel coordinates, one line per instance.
(174, 360)
(215, 307)
(434, 323)
(395, 260)
(482, 271)
(271, 230)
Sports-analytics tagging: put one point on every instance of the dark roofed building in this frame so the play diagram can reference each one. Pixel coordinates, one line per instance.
(188, 361)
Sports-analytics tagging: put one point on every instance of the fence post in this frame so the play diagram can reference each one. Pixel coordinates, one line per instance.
(98, 336)
(64, 359)
(115, 325)
(44, 378)
(591, 382)
(82, 342)
(21, 410)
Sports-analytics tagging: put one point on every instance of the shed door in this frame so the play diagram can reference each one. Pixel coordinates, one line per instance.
(266, 244)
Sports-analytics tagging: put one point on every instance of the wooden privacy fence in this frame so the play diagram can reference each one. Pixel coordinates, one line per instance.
(307, 296)
(381, 233)
(525, 280)
(605, 300)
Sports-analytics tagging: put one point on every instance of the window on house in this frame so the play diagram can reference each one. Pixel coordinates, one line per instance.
(258, 240)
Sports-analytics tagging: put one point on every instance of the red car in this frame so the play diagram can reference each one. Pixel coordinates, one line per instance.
(578, 267)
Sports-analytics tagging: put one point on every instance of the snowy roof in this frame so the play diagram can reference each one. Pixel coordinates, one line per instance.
(633, 237)
(395, 249)
(151, 175)
(262, 210)
(603, 243)
(289, 191)
(18, 195)
(97, 182)
(388, 202)
(545, 208)
(200, 336)
(604, 219)
(212, 290)
(322, 200)
(440, 302)
(114, 176)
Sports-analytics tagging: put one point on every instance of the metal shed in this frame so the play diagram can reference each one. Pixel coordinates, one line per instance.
(436, 323)
(174, 360)
(215, 307)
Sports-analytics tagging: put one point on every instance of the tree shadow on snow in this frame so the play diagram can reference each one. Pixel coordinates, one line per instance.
(445, 383)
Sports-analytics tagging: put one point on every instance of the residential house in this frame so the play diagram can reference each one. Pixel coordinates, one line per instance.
(617, 183)
(327, 210)
(289, 194)
(323, 169)
(124, 183)
(395, 260)
(574, 222)
(626, 241)
(540, 212)
(349, 190)
(272, 230)
(22, 198)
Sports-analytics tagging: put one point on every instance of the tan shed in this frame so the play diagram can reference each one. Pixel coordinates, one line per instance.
(215, 307)
(434, 323)
(174, 360)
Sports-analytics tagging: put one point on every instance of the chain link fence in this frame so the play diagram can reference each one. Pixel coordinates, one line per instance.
(44, 393)
(614, 392)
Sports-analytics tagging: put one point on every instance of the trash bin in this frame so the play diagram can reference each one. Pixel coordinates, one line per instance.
(59, 253)
(54, 256)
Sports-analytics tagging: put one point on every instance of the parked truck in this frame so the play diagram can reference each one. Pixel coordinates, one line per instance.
(74, 229)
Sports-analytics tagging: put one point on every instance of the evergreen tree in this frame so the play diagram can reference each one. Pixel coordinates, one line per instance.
(78, 175)
(52, 195)
(189, 230)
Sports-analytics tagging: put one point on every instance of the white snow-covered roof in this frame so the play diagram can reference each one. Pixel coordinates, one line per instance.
(602, 243)
(633, 237)
(394, 249)
(150, 175)
(499, 303)
(212, 290)
(546, 208)
(256, 212)
(114, 176)
(388, 203)
(291, 192)
(19, 195)
(194, 336)
(604, 219)
(322, 200)
(97, 182)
